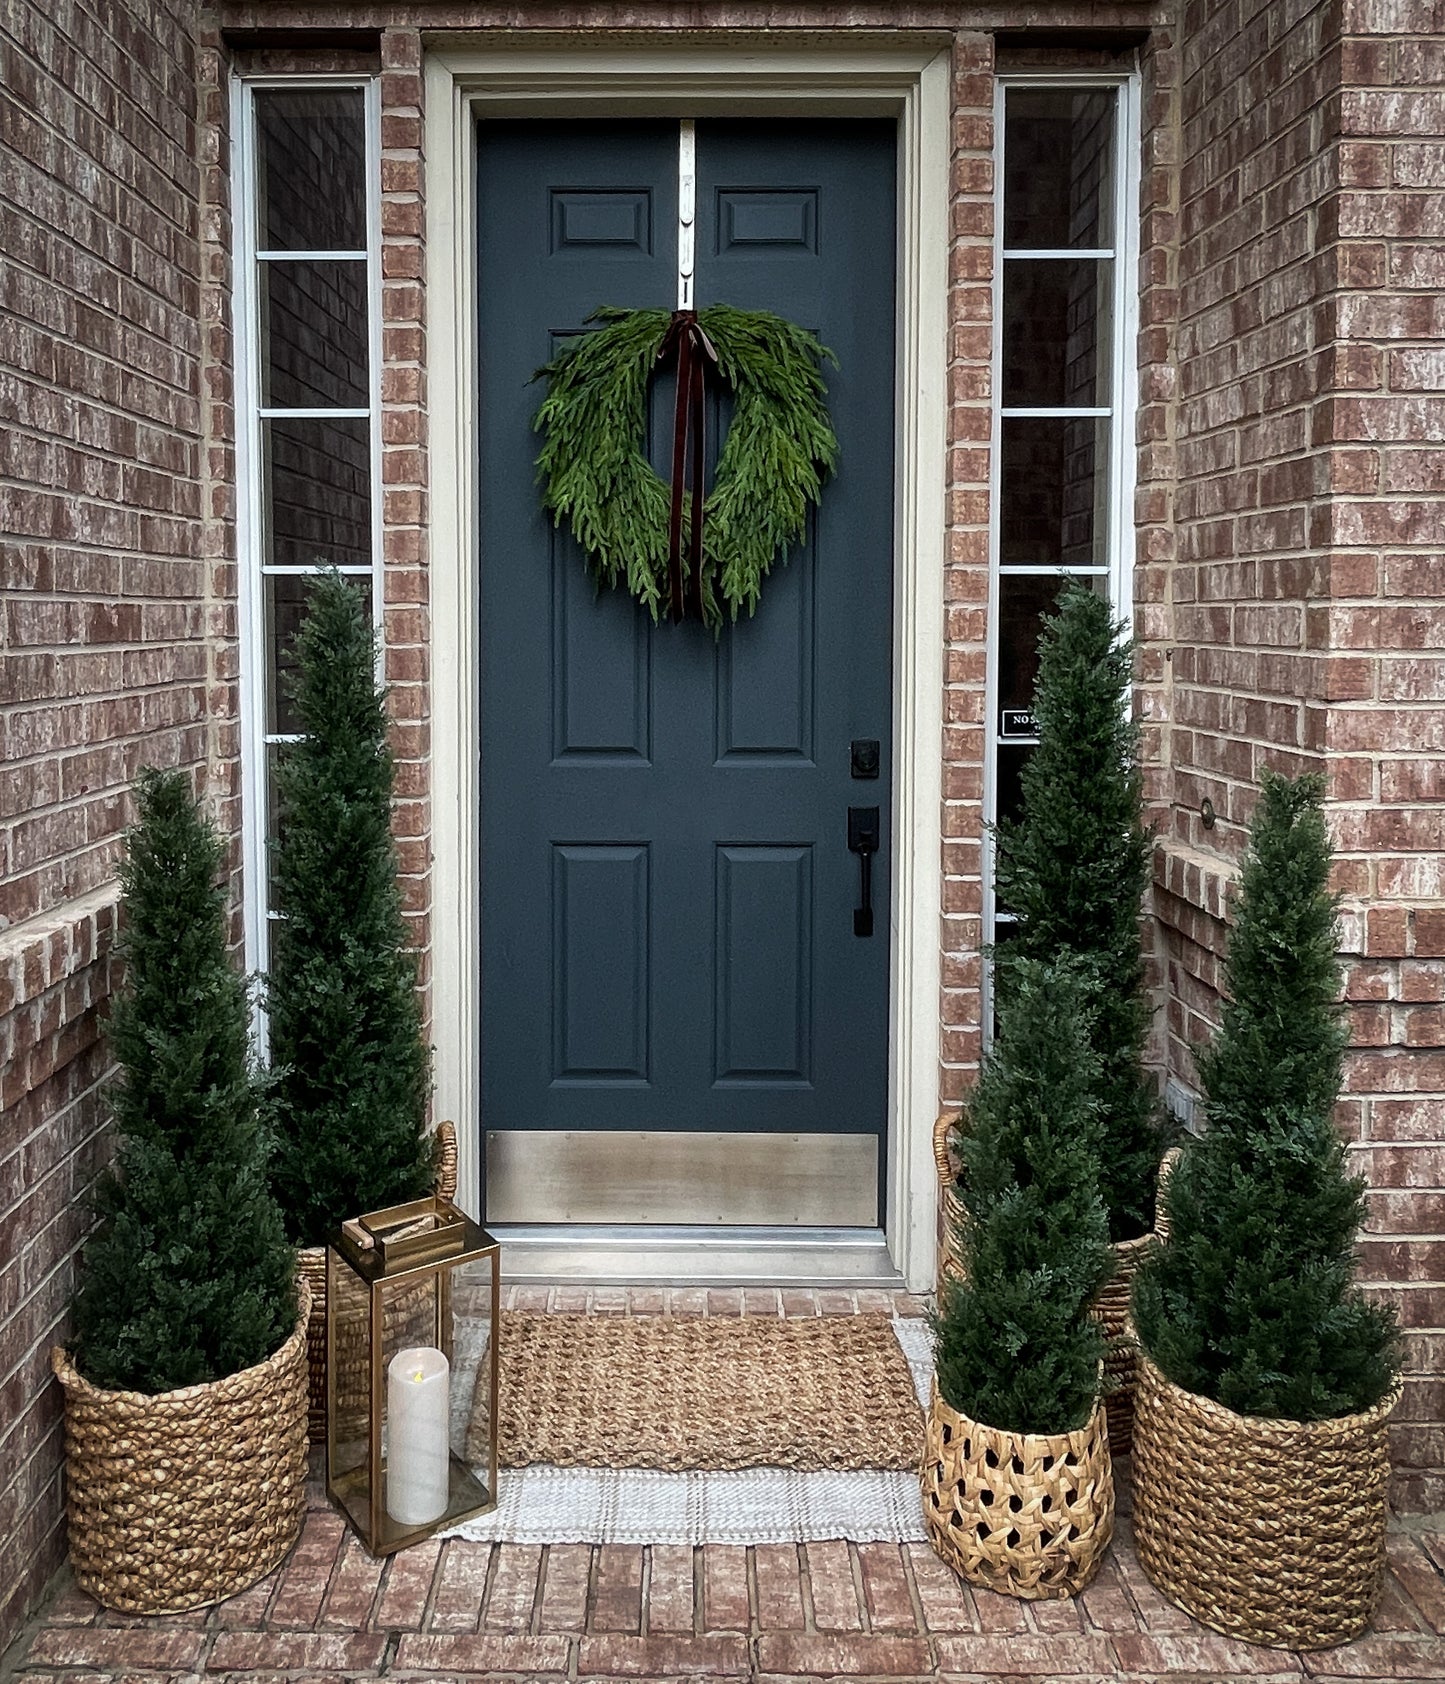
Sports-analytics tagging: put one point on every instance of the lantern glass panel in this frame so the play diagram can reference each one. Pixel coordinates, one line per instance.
(412, 1355)
(473, 1351)
(348, 1388)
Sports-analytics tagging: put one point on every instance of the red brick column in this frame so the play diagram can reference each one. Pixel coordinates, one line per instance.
(1156, 468)
(970, 422)
(1380, 430)
(404, 477)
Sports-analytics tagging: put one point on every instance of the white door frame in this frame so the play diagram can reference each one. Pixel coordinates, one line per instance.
(838, 73)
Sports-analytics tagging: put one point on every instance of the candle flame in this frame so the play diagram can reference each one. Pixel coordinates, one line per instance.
(418, 1375)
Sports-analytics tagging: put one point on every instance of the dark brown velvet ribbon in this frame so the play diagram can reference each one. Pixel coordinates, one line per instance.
(694, 350)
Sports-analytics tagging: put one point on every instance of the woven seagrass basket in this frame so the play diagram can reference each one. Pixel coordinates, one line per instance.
(184, 1498)
(1111, 1310)
(1111, 1307)
(1273, 1531)
(1028, 1514)
(950, 1210)
(311, 1265)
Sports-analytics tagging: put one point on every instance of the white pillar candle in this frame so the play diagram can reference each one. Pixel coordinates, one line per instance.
(417, 1461)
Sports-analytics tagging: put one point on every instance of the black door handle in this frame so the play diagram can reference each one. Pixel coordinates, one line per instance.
(863, 832)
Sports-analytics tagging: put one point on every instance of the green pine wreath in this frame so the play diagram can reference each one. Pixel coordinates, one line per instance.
(779, 449)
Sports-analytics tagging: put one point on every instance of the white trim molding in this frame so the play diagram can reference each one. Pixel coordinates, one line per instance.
(838, 73)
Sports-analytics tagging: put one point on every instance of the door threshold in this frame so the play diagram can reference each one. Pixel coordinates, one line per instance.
(637, 1254)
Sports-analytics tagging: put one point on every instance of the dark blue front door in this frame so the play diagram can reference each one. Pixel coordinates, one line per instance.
(668, 895)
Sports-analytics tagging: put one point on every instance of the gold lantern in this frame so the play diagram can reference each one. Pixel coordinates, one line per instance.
(412, 1305)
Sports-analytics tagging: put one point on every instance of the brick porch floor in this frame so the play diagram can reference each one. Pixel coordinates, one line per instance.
(456, 1610)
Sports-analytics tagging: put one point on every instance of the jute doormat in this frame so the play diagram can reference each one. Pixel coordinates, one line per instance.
(692, 1392)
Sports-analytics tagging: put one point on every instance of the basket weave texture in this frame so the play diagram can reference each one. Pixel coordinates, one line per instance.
(1269, 1530)
(1111, 1310)
(950, 1209)
(184, 1498)
(311, 1265)
(1028, 1514)
(1111, 1307)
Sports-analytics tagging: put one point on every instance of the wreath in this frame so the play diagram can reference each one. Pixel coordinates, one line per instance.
(671, 543)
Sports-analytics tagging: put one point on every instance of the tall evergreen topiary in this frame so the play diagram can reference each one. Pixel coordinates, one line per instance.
(188, 1277)
(353, 1071)
(1252, 1302)
(1073, 868)
(1016, 1347)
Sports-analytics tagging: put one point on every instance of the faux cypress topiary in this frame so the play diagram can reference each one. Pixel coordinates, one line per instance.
(352, 1068)
(1016, 1347)
(1252, 1303)
(188, 1277)
(1073, 868)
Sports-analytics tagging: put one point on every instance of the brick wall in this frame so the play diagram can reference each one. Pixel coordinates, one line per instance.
(105, 661)
(1303, 610)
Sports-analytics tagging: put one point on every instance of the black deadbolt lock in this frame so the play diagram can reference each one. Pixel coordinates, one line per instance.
(864, 757)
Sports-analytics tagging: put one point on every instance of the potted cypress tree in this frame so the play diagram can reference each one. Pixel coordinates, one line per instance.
(1073, 868)
(352, 1070)
(185, 1392)
(1266, 1379)
(1018, 1491)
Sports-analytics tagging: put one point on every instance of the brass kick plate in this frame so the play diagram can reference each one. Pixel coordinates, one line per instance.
(626, 1176)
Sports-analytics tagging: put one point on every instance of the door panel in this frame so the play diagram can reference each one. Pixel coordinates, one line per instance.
(667, 893)
(764, 949)
(600, 951)
(765, 679)
(601, 671)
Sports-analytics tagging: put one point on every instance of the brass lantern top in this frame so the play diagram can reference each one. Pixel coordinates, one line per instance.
(385, 1244)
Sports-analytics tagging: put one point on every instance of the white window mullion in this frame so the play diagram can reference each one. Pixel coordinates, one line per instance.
(1125, 387)
(284, 570)
(1027, 569)
(1054, 254)
(1055, 412)
(250, 600)
(373, 341)
(313, 414)
(344, 256)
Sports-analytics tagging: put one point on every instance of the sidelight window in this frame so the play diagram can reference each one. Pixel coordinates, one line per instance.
(307, 355)
(1063, 380)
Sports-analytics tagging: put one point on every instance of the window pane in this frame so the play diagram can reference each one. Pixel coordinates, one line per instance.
(1011, 759)
(1005, 930)
(1058, 168)
(286, 597)
(1057, 333)
(318, 492)
(1055, 475)
(310, 169)
(313, 333)
(1023, 602)
(274, 752)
